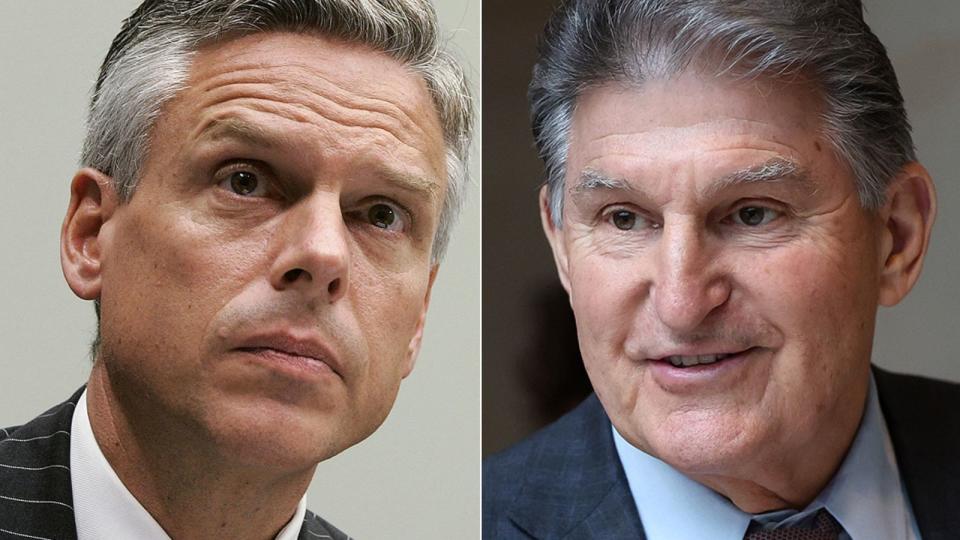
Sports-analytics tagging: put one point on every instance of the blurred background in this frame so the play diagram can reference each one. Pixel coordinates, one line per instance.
(531, 365)
(417, 477)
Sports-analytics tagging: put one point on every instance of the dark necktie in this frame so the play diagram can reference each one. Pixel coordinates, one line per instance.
(825, 527)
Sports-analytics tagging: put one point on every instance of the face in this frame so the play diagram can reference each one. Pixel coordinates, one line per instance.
(271, 273)
(708, 224)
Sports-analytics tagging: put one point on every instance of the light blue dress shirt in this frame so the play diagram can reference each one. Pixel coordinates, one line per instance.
(865, 496)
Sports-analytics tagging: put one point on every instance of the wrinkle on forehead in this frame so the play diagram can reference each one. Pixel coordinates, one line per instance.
(654, 136)
(306, 103)
(318, 76)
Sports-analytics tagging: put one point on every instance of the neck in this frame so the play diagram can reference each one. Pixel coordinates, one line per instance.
(177, 473)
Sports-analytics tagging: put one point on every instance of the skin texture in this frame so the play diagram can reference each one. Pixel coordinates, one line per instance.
(214, 431)
(798, 289)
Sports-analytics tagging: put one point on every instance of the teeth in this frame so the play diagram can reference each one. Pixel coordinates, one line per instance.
(687, 361)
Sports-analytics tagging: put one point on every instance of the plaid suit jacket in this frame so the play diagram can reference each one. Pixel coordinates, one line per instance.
(566, 480)
(36, 495)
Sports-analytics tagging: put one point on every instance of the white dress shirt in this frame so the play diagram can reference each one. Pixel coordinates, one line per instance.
(104, 508)
(865, 495)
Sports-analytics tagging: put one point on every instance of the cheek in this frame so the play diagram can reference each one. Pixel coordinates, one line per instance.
(388, 303)
(825, 310)
(388, 306)
(606, 295)
(816, 291)
(168, 272)
(606, 300)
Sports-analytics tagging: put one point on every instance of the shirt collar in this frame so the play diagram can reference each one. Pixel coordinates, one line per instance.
(104, 508)
(865, 495)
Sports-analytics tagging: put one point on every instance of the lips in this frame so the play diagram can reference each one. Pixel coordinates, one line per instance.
(296, 346)
(687, 360)
(695, 360)
(723, 370)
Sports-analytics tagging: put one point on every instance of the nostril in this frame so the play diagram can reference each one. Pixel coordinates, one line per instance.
(295, 274)
(333, 287)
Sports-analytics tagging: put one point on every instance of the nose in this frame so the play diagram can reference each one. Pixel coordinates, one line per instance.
(314, 254)
(689, 283)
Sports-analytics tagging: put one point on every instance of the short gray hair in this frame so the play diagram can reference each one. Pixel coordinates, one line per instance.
(149, 62)
(588, 43)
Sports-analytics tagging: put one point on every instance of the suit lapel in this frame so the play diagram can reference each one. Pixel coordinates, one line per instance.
(36, 495)
(575, 486)
(316, 528)
(925, 430)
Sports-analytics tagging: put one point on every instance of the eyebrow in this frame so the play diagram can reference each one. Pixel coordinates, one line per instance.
(234, 128)
(771, 171)
(591, 180)
(416, 185)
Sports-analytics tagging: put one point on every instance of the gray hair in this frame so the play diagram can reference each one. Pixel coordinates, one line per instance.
(149, 62)
(588, 43)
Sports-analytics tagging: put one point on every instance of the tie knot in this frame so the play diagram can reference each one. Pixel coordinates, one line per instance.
(823, 527)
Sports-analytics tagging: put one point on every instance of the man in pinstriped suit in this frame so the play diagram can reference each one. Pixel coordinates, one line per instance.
(266, 194)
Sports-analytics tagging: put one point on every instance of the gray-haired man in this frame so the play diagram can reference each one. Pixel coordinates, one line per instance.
(732, 191)
(265, 199)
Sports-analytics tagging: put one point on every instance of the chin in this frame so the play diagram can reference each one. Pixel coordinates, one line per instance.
(700, 443)
(274, 436)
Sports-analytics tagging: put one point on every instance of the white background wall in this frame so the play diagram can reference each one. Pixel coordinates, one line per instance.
(417, 477)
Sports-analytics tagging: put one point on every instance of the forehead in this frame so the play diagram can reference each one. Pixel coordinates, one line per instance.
(315, 60)
(693, 120)
(304, 58)
(312, 90)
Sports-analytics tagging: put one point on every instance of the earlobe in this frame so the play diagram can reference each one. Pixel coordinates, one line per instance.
(92, 202)
(554, 237)
(413, 349)
(908, 216)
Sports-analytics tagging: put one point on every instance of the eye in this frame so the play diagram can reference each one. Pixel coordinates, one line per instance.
(385, 216)
(628, 220)
(754, 216)
(245, 184)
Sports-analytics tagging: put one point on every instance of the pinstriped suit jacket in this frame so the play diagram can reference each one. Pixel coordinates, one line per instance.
(36, 496)
(566, 481)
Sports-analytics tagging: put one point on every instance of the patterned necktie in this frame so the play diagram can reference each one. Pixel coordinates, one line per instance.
(825, 527)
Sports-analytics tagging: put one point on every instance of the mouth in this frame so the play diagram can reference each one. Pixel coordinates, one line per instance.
(301, 352)
(696, 360)
(708, 372)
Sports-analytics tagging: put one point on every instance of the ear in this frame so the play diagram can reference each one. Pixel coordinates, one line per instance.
(92, 202)
(555, 237)
(908, 216)
(414, 348)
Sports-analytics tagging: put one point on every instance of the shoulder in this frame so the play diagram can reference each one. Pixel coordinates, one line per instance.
(550, 461)
(7, 431)
(924, 427)
(317, 528)
(49, 429)
(36, 499)
(914, 401)
(917, 384)
(551, 446)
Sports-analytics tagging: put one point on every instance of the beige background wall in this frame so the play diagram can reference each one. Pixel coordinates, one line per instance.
(416, 478)
(921, 335)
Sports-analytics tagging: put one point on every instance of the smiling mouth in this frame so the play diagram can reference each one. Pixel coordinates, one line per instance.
(685, 361)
